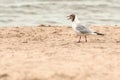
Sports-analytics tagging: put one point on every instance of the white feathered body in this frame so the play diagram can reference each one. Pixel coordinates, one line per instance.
(80, 29)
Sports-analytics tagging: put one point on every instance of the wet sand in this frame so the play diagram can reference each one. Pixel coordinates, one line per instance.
(51, 53)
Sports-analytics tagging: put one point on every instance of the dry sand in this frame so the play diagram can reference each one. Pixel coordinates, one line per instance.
(51, 53)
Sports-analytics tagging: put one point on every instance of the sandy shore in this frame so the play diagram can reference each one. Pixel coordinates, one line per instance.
(51, 53)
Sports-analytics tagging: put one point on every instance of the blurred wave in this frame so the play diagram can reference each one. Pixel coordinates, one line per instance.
(54, 12)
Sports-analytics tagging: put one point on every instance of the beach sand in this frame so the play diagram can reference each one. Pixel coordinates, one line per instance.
(51, 53)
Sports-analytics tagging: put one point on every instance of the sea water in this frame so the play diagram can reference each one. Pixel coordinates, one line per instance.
(54, 12)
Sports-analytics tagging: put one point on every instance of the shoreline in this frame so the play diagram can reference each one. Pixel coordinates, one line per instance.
(49, 25)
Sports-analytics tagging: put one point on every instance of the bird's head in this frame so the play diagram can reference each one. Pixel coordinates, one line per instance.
(71, 17)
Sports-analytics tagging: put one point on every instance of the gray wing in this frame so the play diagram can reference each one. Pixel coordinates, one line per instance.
(82, 29)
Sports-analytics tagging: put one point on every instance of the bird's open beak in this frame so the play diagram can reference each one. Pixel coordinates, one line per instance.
(68, 17)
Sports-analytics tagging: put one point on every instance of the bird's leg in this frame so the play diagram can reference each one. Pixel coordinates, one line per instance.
(79, 39)
(85, 38)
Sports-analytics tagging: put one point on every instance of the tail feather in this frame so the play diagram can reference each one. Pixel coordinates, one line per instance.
(99, 33)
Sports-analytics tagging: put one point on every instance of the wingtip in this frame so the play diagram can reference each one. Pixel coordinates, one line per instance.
(99, 34)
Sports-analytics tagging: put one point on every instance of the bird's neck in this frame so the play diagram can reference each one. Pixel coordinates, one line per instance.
(76, 20)
(75, 23)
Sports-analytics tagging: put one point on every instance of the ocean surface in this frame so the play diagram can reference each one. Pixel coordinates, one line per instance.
(54, 12)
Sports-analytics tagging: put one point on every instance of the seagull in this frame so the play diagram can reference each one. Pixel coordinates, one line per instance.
(81, 30)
